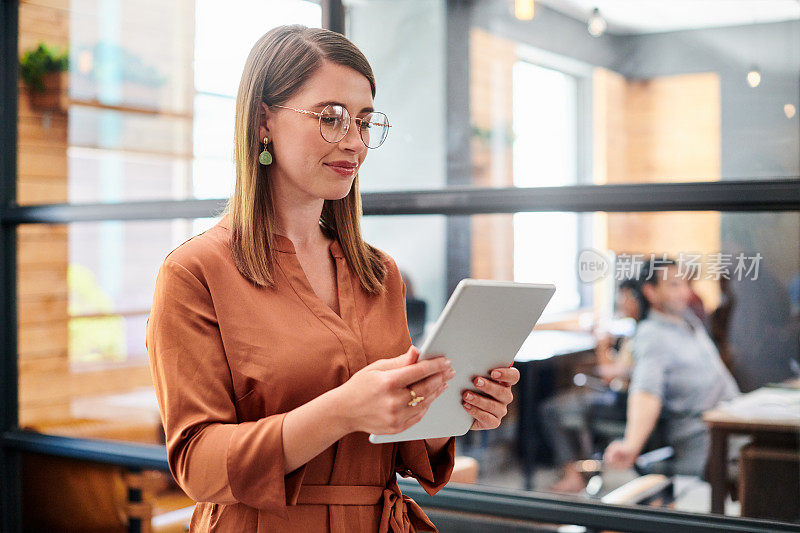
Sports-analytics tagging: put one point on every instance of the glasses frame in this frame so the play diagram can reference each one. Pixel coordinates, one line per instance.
(319, 116)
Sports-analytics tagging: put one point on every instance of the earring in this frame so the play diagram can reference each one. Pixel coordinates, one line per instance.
(265, 158)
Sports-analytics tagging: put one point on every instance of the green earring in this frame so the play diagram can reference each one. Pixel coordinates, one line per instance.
(265, 158)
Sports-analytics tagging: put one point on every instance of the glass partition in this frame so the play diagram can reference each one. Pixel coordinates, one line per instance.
(577, 365)
(148, 107)
(661, 94)
(477, 97)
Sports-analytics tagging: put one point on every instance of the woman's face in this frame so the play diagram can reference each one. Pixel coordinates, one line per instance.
(301, 170)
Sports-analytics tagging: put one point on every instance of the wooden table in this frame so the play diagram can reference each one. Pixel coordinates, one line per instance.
(770, 415)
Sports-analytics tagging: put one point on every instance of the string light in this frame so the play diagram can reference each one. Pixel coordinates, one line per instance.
(754, 77)
(597, 24)
(523, 9)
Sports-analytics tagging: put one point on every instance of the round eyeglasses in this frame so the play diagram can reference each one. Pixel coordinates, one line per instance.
(334, 123)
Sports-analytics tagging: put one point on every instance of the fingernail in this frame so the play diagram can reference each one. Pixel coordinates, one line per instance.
(445, 387)
(479, 382)
(447, 361)
(468, 396)
(451, 373)
(496, 374)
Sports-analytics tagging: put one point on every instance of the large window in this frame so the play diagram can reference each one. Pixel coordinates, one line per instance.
(480, 102)
(656, 98)
(545, 152)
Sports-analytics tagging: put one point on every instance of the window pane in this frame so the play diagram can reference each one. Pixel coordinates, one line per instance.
(745, 295)
(148, 105)
(661, 96)
(85, 290)
(408, 58)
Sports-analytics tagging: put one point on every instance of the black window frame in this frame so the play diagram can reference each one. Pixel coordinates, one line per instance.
(456, 202)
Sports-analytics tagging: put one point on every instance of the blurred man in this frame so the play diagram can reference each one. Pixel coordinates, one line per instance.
(677, 370)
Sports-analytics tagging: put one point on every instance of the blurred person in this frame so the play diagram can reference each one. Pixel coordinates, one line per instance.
(677, 372)
(614, 352)
(763, 335)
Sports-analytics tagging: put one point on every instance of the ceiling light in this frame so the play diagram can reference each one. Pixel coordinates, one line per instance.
(754, 77)
(523, 9)
(596, 24)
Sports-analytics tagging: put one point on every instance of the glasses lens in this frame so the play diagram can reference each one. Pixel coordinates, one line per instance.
(374, 129)
(333, 123)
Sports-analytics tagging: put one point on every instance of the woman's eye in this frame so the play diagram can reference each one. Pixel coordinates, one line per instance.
(330, 119)
(365, 125)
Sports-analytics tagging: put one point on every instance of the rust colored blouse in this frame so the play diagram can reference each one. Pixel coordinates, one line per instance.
(230, 359)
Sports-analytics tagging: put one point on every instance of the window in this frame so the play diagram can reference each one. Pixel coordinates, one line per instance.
(646, 104)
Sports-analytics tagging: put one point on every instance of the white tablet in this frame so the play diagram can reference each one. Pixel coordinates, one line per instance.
(482, 327)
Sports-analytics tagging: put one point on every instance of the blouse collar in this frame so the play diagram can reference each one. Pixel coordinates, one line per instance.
(283, 243)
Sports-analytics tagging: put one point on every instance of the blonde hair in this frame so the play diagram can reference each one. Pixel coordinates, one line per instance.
(277, 67)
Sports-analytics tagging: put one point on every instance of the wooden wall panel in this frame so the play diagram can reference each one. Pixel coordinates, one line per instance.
(42, 161)
(43, 340)
(42, 250)
(50, 387)
(43, 21)
(662, 130)
(491, 62)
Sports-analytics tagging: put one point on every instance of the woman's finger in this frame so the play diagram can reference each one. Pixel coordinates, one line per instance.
(501, 393)
(421, 408)
(432, 383)
(483, 419)
(506, 375)
(490, 405)
(402, 377)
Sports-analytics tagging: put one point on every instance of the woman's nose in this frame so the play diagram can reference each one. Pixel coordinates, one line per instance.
(352, 139)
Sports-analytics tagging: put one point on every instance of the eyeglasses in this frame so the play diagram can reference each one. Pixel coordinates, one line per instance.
(334, 123)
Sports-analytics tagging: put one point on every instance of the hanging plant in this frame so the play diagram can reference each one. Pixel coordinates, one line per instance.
(43, 71)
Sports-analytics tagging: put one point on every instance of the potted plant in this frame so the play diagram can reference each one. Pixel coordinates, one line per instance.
(44, 71)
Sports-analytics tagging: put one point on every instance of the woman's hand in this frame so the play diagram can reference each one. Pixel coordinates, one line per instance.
(488, 403)
(375, 399)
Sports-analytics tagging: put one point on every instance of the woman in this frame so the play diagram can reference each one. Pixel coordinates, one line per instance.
(274, 336)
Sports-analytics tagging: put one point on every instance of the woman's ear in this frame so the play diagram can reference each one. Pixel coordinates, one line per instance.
(264, 116)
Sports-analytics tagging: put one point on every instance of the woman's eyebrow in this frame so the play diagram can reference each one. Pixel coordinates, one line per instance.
(331, 102)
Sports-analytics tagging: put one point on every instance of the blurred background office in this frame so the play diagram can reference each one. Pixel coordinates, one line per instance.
(571, 141)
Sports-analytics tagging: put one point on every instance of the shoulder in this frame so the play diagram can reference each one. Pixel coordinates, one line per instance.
(647, 329)
(393, 280)
(649, 339)
(389, 263)
(201, 254)
(386, 259)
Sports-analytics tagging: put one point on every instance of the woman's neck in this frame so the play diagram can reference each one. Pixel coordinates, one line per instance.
(300, 224)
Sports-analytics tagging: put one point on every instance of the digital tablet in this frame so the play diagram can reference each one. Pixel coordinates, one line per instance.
(482, 327)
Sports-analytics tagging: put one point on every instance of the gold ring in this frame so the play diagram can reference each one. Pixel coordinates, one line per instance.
(414, 398)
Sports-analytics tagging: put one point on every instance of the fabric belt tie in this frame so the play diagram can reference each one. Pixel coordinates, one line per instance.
(399, 511)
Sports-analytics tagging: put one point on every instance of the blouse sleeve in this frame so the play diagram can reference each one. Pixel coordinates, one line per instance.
(415, 458)
(212, 456)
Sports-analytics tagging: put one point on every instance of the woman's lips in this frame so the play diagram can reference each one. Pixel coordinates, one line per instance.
(347, 172)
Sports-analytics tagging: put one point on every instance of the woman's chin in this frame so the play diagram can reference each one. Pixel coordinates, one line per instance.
(337, 193)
